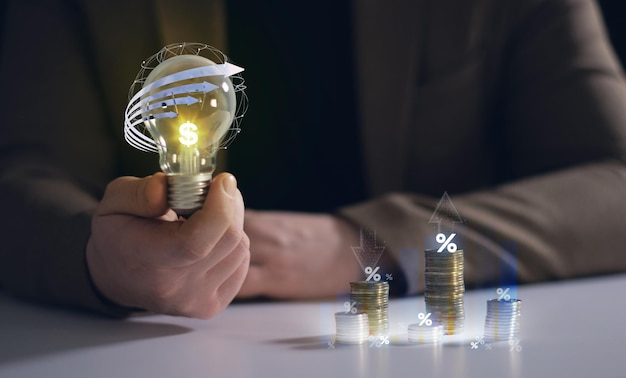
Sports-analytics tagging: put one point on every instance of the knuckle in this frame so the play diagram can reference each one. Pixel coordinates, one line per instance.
(209, 310)
(232, 237)
(138, 196)
(189, 249)
(187, 308)
(233, 241)
(164, 292)
(242, 250)
(245, 240)
(203, 308)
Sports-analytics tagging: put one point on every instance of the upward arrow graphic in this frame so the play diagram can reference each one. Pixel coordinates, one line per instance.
(445, 213)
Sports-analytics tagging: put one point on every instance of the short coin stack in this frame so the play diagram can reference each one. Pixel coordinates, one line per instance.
(502, 321)
(424, 334)
(351, 328)
(372, 298)
(444, 289)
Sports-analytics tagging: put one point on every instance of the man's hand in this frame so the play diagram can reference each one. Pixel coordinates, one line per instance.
(141, 255)
(299, 256)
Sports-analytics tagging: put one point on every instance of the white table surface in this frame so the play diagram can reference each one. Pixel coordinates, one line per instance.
(568, 329)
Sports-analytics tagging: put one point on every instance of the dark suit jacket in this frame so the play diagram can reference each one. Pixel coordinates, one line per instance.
(516, 108)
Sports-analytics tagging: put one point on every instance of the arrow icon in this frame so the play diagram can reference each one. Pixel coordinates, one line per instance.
(146, 112)
(138, 102)
(368, 252)
(225, 70)
(445, 213)
(154, 116)
(139, 109)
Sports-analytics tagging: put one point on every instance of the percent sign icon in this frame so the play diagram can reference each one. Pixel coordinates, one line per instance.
(372, 273)
(378, 341)
(425, 319)
(515, 345)
(503, 294)
(446, 243)
(479, 341)
(350, 307)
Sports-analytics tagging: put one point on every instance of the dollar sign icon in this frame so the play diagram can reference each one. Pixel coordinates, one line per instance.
(188, 134)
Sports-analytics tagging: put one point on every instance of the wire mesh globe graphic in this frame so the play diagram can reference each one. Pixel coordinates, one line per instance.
(186, 103)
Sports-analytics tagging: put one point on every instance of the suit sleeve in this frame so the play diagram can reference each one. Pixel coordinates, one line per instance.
(55, 155)
(562, 124)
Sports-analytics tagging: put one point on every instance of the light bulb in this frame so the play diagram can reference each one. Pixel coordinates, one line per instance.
(183, 104)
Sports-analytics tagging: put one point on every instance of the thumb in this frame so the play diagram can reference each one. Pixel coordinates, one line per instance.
(225, 197)
(144, 197)
(222, 209)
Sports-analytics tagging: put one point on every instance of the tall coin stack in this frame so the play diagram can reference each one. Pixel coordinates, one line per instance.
(444, 289)
(372, 298)
(502, 321)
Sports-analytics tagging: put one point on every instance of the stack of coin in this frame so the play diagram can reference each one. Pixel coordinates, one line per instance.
(502, 321)
(424, 334)
(351, 328)
(372, 298)
(444, 289)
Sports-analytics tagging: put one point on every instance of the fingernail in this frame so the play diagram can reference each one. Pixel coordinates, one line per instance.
(230, 185)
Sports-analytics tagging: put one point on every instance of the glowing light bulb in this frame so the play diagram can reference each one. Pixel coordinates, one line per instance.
(184, 105)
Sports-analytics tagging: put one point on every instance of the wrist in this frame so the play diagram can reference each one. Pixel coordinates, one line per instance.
(90, 268)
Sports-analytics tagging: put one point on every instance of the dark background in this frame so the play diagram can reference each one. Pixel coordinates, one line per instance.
(306, 105)
(614, 12)
(317, 176)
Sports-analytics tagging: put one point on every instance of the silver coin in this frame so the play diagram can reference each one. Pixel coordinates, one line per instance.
(503, 319)
(351, 328)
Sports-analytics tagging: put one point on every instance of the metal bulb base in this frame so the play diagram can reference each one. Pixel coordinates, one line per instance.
(187, 192)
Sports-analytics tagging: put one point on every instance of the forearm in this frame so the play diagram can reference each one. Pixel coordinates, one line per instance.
(43, 244)
(55, 156)
(563, 224)
(559, 225)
